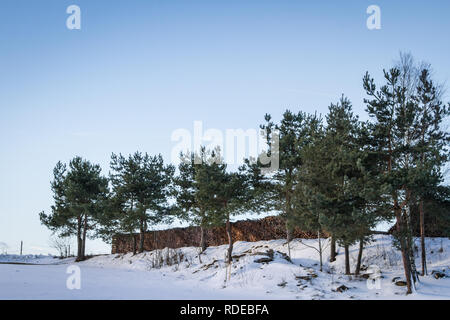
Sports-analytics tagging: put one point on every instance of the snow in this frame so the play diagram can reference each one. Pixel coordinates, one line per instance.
(182, 274)
(32, 259)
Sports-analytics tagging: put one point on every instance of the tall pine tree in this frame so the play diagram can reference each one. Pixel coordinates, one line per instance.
(293, 136)
(141, 185)
(432, 147)
(193, 202)
(80, 193)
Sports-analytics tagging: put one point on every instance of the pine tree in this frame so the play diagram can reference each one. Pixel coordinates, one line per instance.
(234, 197)
(392, 132)
(343, 152)
(141, 186)
(81, 197)
(293, 136)
(217, 195)
(407, 132)
(193, 202)
(336, 191)
(432, 145)
(259, 186)
(427, 141)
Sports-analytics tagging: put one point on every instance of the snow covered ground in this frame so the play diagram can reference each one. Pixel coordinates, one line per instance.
(260, 270)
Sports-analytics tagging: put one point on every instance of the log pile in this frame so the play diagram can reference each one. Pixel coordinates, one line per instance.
(268, 228)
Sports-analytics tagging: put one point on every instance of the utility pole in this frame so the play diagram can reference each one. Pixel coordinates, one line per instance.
(21, 247)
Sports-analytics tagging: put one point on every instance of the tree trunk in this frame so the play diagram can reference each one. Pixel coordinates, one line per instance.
(333, 249)
(320, 251)
(230, 241)
(288, 227)
(422, 215)
(403, 249)
(410, 246)
(358, 263)
(399, 225)
(347, 260)
(79, 247)
(412, 270)
(422, 238)
(134, 244)
(203, 239)
(79, 239)
(133, 238)
(141, 242)
(83, 245)
(288, 238)
(142, 237)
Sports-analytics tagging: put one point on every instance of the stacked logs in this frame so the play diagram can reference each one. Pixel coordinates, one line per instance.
(268, 228)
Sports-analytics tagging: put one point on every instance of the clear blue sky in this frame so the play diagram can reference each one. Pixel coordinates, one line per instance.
(138, 70)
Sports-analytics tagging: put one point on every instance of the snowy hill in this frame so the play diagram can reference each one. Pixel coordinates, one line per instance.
(260, 270)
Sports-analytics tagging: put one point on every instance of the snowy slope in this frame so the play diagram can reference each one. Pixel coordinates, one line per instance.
(260, 270)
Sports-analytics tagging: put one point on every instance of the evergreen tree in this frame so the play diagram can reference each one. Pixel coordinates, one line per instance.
(193, 202)
(343, 152)
(231, 193)
(259, 186)
(293, 136)
(311, 182)
(432, 147)
(81, 196)
(336, 190)
(355, 204)
(407, 132)
(208, 195)
(392, 132)
(141, 186)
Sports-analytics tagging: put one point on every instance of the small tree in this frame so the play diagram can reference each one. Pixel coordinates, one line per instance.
(3, 248)
(80, 195)
(61, 244)
(230, 195)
